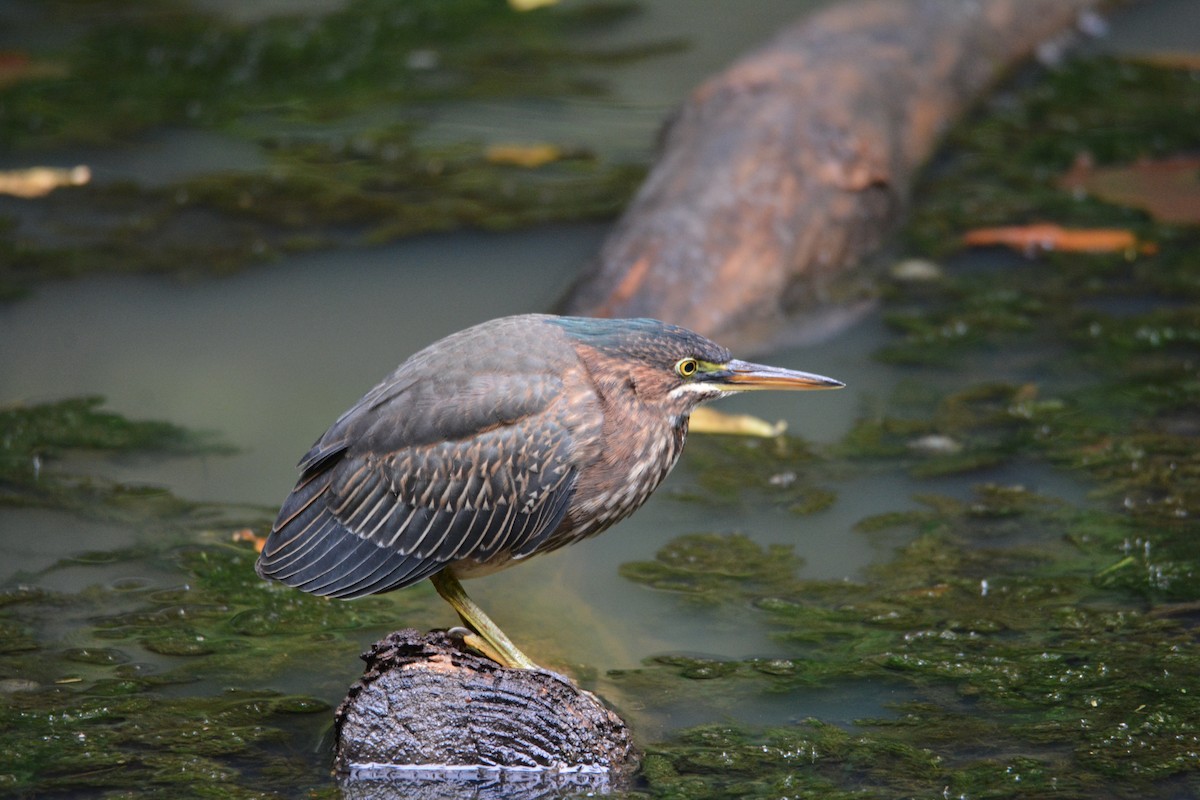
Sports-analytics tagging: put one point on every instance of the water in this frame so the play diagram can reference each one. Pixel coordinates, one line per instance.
(626, 126)
(269, 358)
(266, 360)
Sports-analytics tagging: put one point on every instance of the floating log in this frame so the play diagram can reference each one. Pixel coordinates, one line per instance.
(428, 715)
(780, 174)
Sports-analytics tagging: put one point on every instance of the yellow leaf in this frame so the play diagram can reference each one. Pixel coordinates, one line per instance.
(40, 181)
(708, 420)
(1168, 59)
(523, 155)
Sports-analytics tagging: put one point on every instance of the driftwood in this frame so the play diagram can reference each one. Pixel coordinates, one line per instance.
(431, 718)
(781, 173)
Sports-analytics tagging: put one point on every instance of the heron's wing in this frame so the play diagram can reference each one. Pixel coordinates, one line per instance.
(410, 481)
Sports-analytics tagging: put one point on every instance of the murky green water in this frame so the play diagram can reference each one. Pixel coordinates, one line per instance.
(878, 591)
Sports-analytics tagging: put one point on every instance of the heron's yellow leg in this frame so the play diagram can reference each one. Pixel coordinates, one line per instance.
(497, 646)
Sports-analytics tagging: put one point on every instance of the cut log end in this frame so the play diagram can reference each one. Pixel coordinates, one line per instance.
(427, 711)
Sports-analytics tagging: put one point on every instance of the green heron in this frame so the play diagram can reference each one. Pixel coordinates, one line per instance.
(499, 442)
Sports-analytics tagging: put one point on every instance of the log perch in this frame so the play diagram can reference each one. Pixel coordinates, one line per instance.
(427, 711)
(780, 174)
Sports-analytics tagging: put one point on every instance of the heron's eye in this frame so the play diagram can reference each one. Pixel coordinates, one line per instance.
(686, 367)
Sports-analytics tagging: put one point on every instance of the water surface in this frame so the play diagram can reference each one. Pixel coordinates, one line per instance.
(267, 359)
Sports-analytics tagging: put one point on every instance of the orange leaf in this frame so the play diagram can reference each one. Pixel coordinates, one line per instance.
(1031, 239)
(247, 535)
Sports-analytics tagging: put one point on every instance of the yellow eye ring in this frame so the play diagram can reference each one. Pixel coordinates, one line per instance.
(687, 367)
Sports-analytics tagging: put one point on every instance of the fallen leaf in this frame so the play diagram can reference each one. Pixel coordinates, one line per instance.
(1032, 239)
(529, 5)
(247, 535)
(17, 66)
(523, 155)
(1167, 189)
(1026, 392)
(41, 181)
(1167, 59)
(916, 270)
(935, 444)
(709, 420)
(937, 590)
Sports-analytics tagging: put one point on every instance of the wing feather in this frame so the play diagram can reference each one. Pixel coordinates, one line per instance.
(399, 487)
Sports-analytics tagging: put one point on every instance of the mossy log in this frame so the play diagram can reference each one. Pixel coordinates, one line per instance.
(428, 712)
(780, 174)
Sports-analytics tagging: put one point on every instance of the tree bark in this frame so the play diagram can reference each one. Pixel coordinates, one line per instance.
(780, 174)
(430, 718)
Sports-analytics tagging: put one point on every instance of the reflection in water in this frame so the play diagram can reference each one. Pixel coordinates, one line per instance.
(479, 783)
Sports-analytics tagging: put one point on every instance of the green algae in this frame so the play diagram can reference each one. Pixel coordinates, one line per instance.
(152, 66)
(1003, 165)
(385, 187)
(705, 567)
(43, 431)
(312, 195)
(1041, 652)
(36, 440)
(289, 84)
(732, 470)
(158, 688)
(108, 714)
(59, 742)
(230, 623)
(99, 717)
(1034, 647)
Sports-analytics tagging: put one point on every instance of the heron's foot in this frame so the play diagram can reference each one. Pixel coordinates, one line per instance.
(483, 634)
(477, 643)
(506, 653)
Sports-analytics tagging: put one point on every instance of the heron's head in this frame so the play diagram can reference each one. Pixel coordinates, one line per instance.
(672, 367)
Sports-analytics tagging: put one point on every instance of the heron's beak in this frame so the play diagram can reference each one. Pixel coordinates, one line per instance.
(742, 376)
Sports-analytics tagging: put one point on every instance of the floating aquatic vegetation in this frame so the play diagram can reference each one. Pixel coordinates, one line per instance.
(111, 715)
(36, 438)
(58, 741)
(265, 80)
(1032, 638)
(1028, 646)
(152, 66)
(1004, 165)
(707, 566)
(314, 194)
(737, 469)
(1032, 646)
(104, 710)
